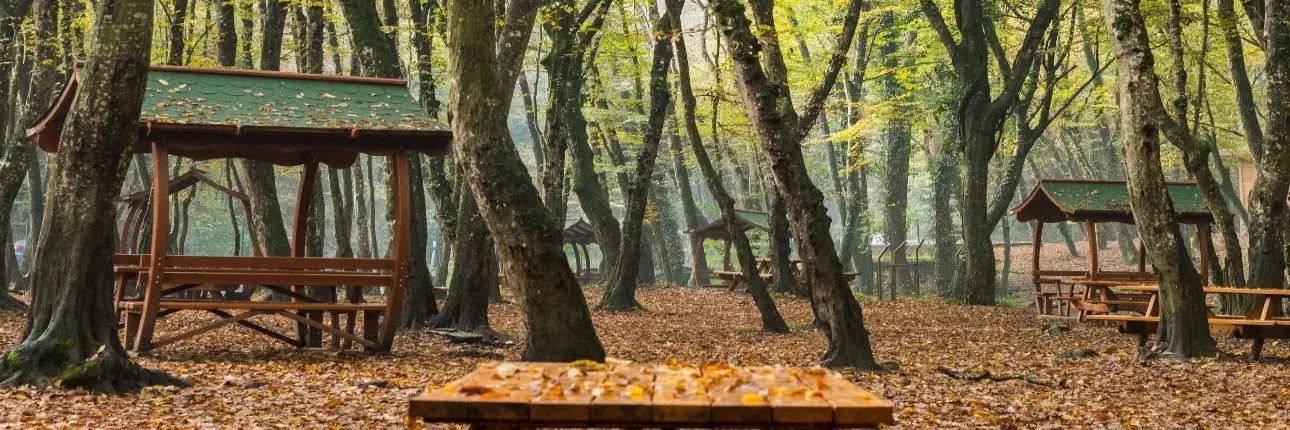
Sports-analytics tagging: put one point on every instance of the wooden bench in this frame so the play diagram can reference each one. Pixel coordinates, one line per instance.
(628, 395)
(291, 277)
(1257, 330)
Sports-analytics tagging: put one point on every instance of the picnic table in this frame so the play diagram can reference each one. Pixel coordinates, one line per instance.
(1259, 324)
(587, 394)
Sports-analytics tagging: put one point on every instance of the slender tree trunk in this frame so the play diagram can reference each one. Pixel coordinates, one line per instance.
(779, 128)
(373, 49)
(226, 35)
(474, 274)
(361, 184)
(71, 334)
(620, 293)
(274, 15)
(1183, 314)
(178, 17)
(20, 153)
(898, 137)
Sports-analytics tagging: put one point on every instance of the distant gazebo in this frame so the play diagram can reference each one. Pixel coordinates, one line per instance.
(716, 230)
(1099, 201)
(578, 234)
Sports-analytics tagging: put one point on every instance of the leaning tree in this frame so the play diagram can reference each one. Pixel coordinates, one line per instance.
(762, 79)
(71, 333)
(482, 72)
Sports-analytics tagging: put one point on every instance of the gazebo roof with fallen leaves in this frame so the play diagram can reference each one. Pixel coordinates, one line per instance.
(1061, 200)
(283, 118)
(748, 220)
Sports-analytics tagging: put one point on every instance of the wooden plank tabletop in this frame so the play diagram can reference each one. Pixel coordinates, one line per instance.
(1151, 288)
(625, 394)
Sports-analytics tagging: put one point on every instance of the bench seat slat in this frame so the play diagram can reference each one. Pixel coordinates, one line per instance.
(254, 305)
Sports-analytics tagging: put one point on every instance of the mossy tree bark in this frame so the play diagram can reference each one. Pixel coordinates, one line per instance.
(374, 49)
(1185, 331)
(620, 293)
(762, 85)
(482, 75)
(71, 334)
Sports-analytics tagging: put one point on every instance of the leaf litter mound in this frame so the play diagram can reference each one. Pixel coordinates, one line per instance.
(936, 353)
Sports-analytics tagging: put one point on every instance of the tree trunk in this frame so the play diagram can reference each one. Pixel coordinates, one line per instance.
(178, 16)
(266, 213)
(779, 129)
(274, 14)
(557, 322)
(781, 249)
(361, 184)
(71, 334)
(1183, 314)
(566, 128)
(1269, 216)
(898, 137)
(620, 292)
(20, 153)
(226, 36)
(373, 49)
(473, 276)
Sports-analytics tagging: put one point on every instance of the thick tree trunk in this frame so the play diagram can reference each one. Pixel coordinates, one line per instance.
(71, 334)
(781, 249)
(557, 322)
(620, 292)
(779, 129)
(1183, 314)
(1269, 216)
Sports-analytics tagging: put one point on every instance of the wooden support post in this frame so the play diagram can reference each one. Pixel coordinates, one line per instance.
(1202, 240)
(152, 290)
(308, 336)
(1037, 248)
(401, 253)
(1090, 230)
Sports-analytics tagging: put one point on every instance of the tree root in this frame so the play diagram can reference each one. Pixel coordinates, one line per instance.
(11, 303)
(987, 375)
(44, 363)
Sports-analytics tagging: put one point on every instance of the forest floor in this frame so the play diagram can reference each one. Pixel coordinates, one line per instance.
(241, 380)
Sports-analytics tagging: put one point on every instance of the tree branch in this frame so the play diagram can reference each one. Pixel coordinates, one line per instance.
(821, 92)
(1021, 67)
(518, 27)
(934, 16)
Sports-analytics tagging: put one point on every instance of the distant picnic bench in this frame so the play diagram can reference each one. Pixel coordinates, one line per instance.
(629, 395)
(1258, 324)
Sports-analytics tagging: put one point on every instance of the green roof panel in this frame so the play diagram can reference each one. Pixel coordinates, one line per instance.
(1114, 197)
(185, 97)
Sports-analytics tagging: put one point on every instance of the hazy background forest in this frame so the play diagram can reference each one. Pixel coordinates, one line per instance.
(889, 120)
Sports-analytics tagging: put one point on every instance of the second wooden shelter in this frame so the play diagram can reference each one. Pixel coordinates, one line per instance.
(1091, 202)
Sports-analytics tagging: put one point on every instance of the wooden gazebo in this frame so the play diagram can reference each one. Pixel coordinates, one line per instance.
(716, 230)
(1091, 202)
(287, 119)
(578, 234)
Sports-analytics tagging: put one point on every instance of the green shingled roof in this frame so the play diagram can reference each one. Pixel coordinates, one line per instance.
(194, 97)
(759, 219)
(1080, 199)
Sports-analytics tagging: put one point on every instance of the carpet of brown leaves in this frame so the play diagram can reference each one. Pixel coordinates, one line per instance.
(240, 380)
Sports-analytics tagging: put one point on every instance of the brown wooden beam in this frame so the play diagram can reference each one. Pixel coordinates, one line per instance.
(160, 235)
